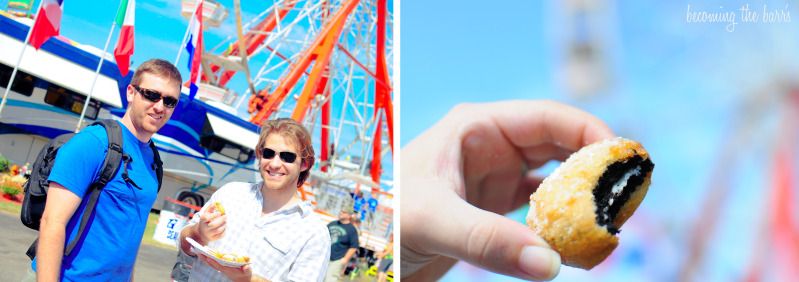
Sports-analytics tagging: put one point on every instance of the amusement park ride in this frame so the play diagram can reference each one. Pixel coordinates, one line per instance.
(330, 60)
(775, 253)
(314, 55)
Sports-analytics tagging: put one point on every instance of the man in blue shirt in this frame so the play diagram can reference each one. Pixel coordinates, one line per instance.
(344, 239)
(113, 234)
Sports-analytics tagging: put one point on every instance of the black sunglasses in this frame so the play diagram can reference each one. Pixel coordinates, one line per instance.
(288, 157)
(155, 96)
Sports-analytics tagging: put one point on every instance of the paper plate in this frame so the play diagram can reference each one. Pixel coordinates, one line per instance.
(210, 253)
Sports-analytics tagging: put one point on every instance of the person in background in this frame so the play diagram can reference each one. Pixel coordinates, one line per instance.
(386, 260)
(344, 239)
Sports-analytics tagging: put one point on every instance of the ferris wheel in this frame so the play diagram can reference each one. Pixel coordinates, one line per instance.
(323, 63)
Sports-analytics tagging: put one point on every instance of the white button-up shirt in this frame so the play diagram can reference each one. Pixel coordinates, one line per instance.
(291, 244)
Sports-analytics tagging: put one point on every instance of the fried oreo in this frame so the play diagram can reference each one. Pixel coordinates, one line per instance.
(580, 208)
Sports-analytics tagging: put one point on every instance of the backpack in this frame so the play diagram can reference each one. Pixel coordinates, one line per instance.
(37, 185)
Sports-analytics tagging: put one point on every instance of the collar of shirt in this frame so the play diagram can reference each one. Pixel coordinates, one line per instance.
(301, 208)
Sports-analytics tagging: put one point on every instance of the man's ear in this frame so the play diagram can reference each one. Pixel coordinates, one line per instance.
(129, 94)
(304, 166)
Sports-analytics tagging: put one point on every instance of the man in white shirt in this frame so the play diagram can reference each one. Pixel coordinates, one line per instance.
(266, 221)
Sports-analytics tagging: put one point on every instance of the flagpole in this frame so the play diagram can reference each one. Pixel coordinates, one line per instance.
(19, 60)
(96, 75)
(186, 34)
(180, 46)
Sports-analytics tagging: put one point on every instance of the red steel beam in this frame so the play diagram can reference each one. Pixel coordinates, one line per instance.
(320, 68)
(325, 136)
(264, 103)
(382, 95)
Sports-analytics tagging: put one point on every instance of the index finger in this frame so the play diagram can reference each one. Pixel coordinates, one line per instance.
(206, 214)
(218, 221)
(531, 123)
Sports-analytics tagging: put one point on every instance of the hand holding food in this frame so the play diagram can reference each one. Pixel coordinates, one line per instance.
(580, 208)
(219, 208)
(472, 167)
(212, 223)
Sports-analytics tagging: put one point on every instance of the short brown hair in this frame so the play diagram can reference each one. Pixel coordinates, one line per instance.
(287, 127)
(157, 67)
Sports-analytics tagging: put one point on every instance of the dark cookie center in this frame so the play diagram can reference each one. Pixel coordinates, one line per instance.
(616, 185)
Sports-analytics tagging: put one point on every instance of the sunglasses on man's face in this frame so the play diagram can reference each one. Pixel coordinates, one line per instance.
(287, 157)
(155, 96)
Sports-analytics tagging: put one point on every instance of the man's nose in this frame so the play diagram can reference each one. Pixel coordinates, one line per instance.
(159, 106)
(275, 162)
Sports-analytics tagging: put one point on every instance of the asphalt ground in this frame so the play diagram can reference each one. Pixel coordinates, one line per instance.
(152, 264)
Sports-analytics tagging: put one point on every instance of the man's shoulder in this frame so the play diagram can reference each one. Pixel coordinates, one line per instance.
(352, 229)
(85, 145)
(315, 224)
(235, 187)
(234, 190)
(91, 135)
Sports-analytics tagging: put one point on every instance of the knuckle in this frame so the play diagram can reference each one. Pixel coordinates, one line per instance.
(462, 108)
(479, 243)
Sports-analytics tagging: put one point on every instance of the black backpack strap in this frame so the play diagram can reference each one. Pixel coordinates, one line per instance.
(109, 169)
(85, 219)
(114, 155)
(32, 249)
(158, 166)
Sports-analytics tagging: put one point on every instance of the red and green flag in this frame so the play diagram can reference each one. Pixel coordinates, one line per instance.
(124, 48)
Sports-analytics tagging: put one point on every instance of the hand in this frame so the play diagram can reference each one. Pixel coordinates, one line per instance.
(212, 225)
(242, 273)
(475, 164)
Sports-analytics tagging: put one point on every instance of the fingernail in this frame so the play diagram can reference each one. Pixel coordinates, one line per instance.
(540, 263)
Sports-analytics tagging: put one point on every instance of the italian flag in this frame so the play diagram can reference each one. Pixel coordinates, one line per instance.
(124, 49)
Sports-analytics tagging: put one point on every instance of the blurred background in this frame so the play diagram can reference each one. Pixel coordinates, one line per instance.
(709, 87)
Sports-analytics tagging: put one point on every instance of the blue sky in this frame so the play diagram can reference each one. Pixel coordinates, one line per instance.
(159, 28)
(683, 88)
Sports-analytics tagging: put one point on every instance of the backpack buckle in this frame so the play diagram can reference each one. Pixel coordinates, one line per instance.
(115, 147)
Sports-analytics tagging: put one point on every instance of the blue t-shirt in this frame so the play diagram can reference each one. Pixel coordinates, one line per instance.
(343, 237)
(113, 234)
(358, 202)
(372, 204)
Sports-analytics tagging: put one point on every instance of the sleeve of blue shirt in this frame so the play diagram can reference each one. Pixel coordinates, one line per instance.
(78, 161)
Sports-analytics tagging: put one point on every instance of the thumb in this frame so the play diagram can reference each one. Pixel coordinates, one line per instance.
(205, 215)
(492, 241)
